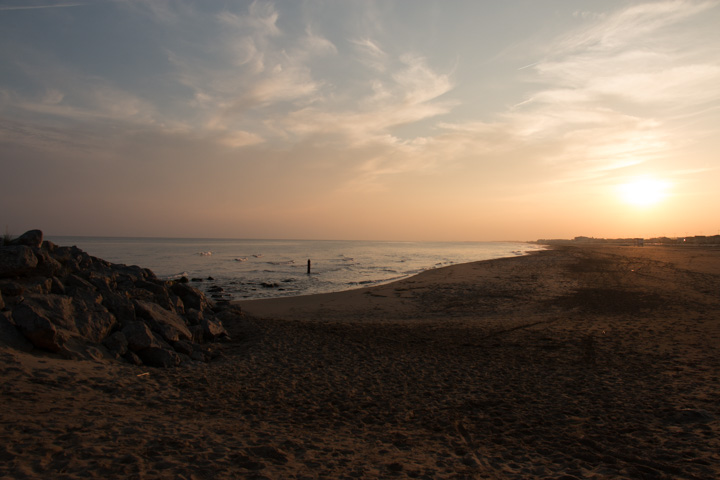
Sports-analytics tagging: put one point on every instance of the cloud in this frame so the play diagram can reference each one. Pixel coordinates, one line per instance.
(370, 54)
(40, 7)
(611, 91)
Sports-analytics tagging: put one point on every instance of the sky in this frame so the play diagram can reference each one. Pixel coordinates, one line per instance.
(359, 119)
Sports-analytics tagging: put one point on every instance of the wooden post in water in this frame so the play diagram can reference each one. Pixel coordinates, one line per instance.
(308, 266)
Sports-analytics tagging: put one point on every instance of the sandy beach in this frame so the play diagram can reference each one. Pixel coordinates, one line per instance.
(576, 362)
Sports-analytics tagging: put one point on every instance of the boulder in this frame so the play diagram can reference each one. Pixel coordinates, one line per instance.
(16, 261)
(31, 238)
(10, 335)
(58, 310)
(191, 296)
(212, 329)
(168, 324)
(183, 347)
(159, 357)
(139, 336)
(2, 302)
(94, 323)
(132, 358)
(120, 306)
(38, 329)
(47, 265)
(117, 343)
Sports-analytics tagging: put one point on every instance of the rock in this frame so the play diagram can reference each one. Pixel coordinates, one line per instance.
(11, 288)
(183, 347)
(212, 329)
(193, 316)
(132, 358)
(120, 306)
(159, 357)
(139, 336)
(74, 281)
(168, 324)
(64, 300)
(198, 356)
(10, 335)
(58, 309)
(16, 261)
(191, 296)
(117, 343)
(47, 265)
(31, 238)
(38, 329)
(94, 323)
(57, 286)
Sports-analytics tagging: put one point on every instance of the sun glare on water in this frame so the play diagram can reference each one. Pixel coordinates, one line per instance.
(644, 192)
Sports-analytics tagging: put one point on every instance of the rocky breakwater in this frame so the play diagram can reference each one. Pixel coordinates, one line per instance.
(62, 300)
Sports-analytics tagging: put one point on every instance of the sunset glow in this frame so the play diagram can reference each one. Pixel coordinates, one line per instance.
(644, 192)
(390, 120)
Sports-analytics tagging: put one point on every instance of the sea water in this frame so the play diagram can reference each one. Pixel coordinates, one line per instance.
(247, 269)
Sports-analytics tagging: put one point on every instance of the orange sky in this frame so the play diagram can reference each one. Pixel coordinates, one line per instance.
(361, 120)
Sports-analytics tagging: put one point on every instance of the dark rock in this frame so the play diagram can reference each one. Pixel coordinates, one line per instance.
(120, 306)
(183, 347)
(57, 286)
(17, 260)
(269, 285)
(94, 322)
(74, 282)
(117, 343)
(168, 324)
(198, 356)
(58, 309)
(35, 325)
(11, 288)
(159, 357)
(191, 296)
(139, 336)
(155, 288)
(198, 333)
(132, 358)
(47, 265)
(10, 335)
(215, 289)
(193, 316)
(37, 285)
(197, 279)
(64, 300)
(182, 280)
(31, 238)
(210, 278)
(212, 329)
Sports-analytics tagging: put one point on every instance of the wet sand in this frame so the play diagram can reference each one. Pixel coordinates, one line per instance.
(590, 362)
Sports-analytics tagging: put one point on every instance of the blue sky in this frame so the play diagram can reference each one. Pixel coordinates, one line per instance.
(400, 120)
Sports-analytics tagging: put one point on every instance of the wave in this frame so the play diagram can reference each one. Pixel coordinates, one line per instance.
(175, 276)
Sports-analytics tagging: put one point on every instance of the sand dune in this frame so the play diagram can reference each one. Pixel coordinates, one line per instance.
(571, 363)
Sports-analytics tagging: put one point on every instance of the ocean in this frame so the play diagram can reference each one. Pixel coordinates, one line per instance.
(248, 269)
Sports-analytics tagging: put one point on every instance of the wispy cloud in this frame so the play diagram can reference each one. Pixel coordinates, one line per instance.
(40, 7)
(609, 92)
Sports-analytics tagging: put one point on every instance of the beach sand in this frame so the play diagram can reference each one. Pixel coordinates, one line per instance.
(575, 362)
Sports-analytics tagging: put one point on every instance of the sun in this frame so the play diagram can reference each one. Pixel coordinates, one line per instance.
(644, 192)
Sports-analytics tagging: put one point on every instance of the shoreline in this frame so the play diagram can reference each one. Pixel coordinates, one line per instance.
(573, 362)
